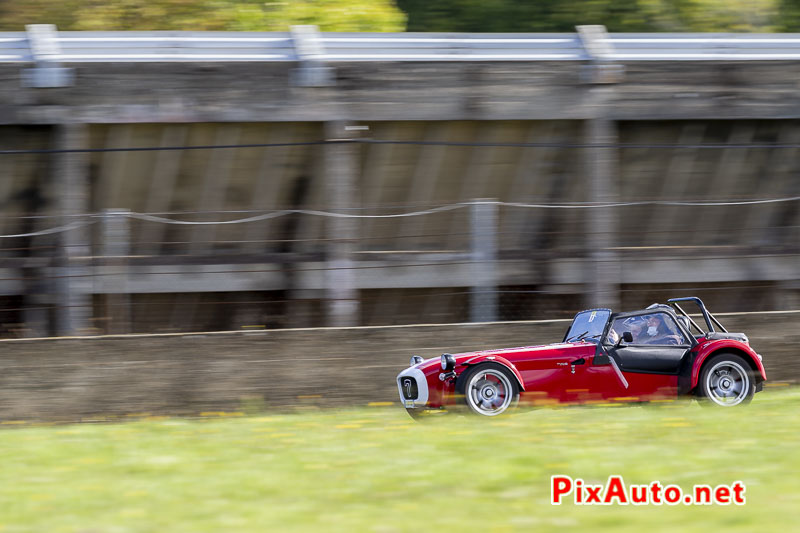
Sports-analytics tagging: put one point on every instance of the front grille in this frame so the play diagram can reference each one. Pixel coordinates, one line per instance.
(409, 387)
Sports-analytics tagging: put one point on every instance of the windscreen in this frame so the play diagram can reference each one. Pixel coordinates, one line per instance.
(588, 325)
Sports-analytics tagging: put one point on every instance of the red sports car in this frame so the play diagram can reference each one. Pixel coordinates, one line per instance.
(655, 353)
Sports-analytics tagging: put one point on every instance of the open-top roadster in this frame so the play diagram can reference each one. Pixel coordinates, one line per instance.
(655, 353)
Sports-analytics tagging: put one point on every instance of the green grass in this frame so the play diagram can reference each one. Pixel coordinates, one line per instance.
(372, 469)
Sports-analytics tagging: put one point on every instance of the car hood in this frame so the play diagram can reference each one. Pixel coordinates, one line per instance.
(526, 352)
(540, 349)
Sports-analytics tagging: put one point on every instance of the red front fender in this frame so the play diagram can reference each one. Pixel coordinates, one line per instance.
(489, 358)
(708, 349)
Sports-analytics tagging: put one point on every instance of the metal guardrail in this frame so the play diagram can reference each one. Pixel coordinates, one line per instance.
(86, 47)
(705, 46)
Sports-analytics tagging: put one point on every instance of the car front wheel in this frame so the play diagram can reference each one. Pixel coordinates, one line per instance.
(726, 380)
(489, 389)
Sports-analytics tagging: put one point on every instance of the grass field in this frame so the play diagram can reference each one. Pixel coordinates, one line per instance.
(373, 469)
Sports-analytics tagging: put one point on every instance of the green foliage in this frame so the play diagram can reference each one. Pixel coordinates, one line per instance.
(203, 15)
(422, 15)
(789, 20)
(616, 15)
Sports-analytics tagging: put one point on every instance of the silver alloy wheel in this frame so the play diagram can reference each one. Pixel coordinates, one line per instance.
(489, 392)
(727, 383)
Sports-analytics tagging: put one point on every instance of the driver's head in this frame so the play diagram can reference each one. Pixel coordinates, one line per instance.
(654, 323)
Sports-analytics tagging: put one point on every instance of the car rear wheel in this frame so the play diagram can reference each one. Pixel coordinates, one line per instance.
(726, 380)
(489, 389)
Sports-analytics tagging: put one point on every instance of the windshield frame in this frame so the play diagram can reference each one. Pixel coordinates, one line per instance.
(583, 331)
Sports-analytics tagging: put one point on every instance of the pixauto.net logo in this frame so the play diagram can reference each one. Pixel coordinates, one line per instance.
(615, 492)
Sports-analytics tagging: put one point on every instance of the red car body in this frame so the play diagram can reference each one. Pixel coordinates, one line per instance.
(592, 370)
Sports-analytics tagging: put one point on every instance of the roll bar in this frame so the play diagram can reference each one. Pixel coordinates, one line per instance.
(709, 318)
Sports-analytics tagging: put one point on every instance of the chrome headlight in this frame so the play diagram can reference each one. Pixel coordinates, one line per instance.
(415, 360)
(448, 362)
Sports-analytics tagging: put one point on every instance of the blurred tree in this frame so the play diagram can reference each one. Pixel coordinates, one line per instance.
(616, 15)
(789, 15)
(202, 15)
(423, 15)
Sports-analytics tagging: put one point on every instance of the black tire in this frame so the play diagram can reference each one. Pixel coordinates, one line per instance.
(726, 380)
(488, 389)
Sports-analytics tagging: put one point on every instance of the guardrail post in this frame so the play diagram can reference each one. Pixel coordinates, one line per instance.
(312, 70)
(46, 51)
(116, 248)
(602, 69)
(483, 251)
(341, 164)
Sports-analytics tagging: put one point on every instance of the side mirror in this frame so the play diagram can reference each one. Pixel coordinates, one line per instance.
(627, 337)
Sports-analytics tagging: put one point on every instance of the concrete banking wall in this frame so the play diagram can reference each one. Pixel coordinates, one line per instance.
(74, 378)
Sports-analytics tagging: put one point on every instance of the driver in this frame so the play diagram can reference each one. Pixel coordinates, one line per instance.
(656, 332)
(635, 325)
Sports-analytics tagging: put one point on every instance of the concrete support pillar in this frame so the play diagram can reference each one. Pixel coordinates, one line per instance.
(483, 251)
(71, 178)
(340, 168)
(36, 314)
(601, 162)
(601, 74)
(116, 248)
